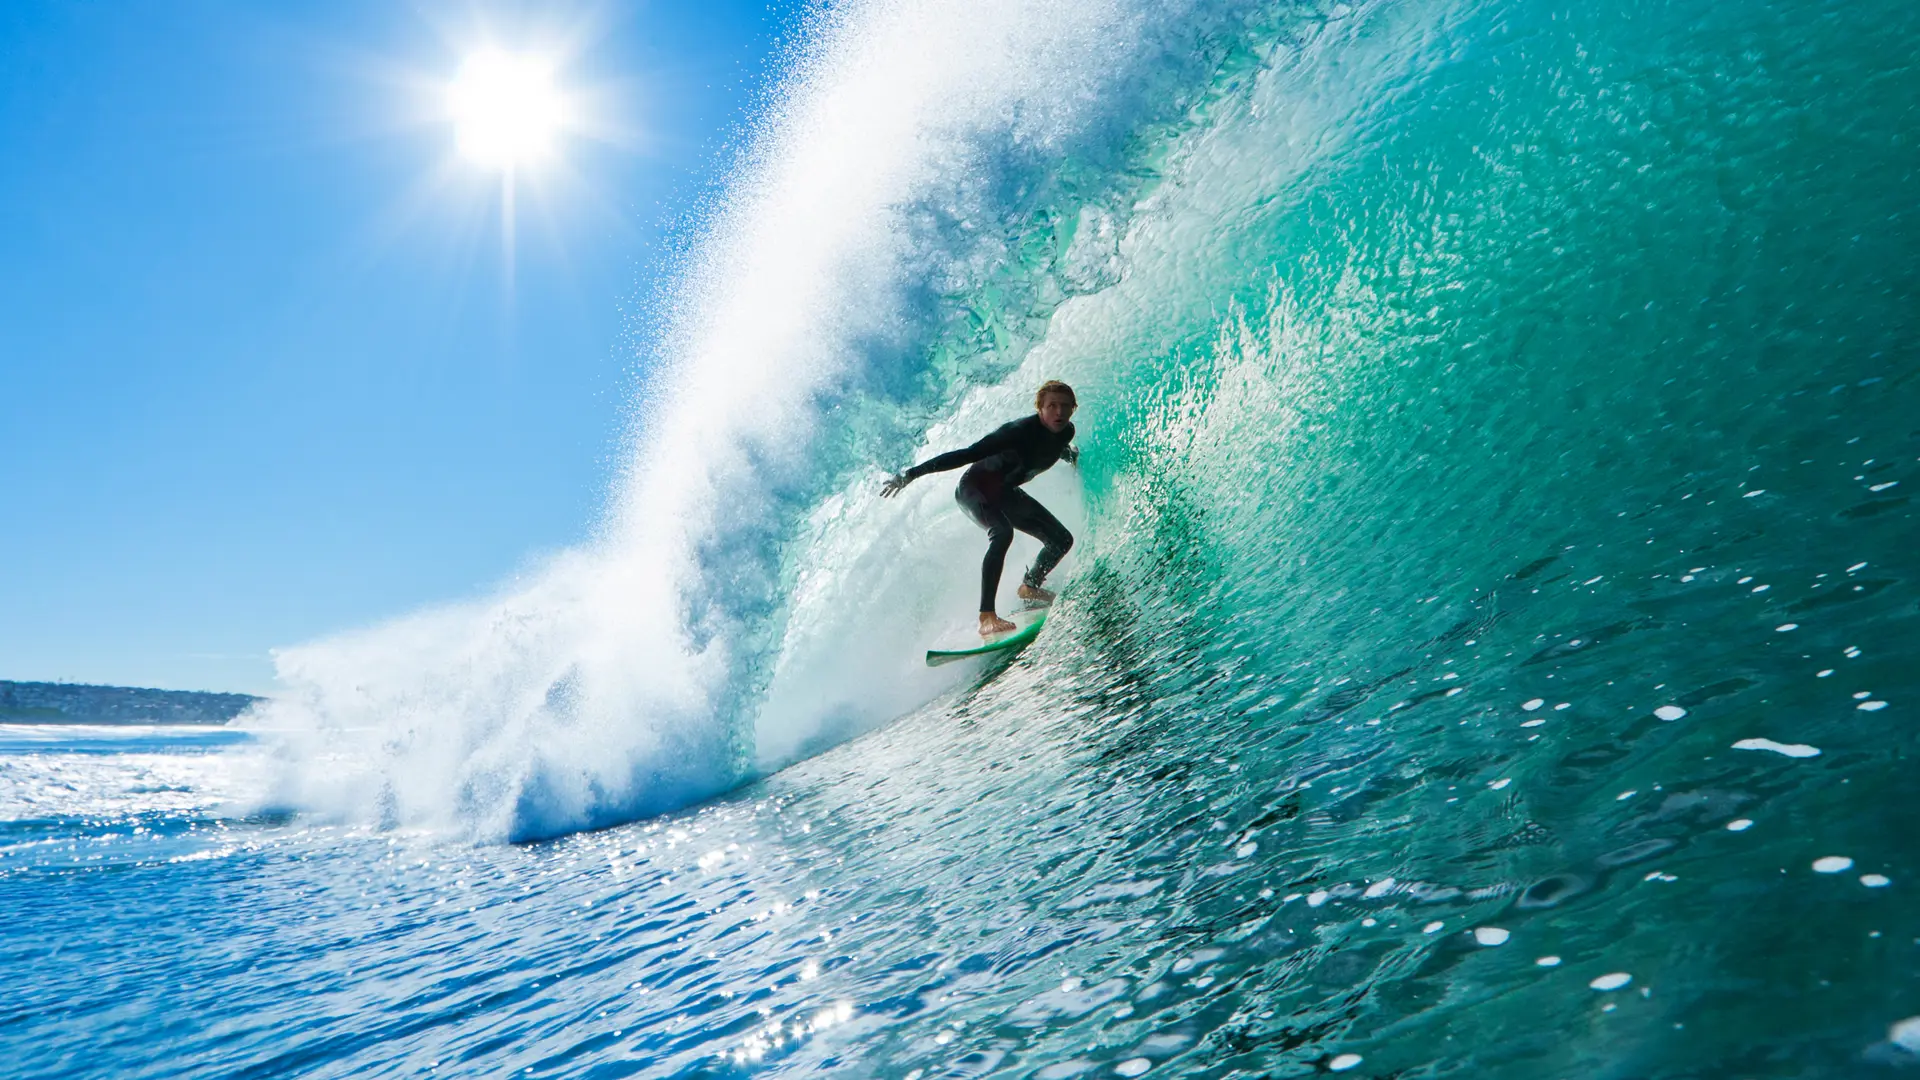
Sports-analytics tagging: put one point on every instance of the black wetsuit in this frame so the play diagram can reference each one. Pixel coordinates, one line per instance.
(990, 493)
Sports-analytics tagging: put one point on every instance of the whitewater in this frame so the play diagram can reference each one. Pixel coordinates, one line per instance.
(1488, 649)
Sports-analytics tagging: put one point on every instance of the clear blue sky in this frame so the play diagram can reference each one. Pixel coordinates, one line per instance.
(263, 372)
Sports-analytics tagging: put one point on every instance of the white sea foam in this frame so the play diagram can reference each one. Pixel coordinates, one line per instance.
(1798, 750)
(1906, 1034)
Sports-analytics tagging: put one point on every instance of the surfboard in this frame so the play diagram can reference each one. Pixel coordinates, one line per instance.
(1027, 623)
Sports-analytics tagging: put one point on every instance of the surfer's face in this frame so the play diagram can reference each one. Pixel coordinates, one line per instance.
(1055, 410)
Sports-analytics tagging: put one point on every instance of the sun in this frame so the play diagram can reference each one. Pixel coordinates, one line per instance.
(506, 109)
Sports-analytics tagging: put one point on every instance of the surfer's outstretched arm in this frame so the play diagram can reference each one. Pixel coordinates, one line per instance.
(947, 462)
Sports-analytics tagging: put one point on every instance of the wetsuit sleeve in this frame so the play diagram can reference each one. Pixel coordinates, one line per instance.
(998, 440)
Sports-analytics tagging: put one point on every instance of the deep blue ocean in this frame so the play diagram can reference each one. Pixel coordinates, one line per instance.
(1492, 647)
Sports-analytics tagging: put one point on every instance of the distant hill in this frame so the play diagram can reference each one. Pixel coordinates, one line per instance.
(72, 703)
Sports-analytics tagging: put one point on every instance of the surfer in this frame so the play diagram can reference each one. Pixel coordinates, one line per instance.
(989, 492)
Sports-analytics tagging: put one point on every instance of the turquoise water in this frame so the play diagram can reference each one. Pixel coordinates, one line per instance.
(1489, 650)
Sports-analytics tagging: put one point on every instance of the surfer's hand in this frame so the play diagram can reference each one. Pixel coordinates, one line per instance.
(1070, 455)
(894, 486)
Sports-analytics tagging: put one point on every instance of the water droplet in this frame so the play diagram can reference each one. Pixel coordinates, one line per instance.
(1875, 881)
(1534, 704)
(1669, 712)
(1490, 935)
(1548, 961)
(1739, 825)
(1612, 981)
(1344, 1062)
(1871, 706)
(1832, 864)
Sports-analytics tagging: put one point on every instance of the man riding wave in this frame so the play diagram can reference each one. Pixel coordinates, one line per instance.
(989, 492)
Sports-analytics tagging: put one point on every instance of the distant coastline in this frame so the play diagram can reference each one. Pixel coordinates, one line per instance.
(75, 703)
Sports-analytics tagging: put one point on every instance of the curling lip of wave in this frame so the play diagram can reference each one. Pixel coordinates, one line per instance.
(633, 675)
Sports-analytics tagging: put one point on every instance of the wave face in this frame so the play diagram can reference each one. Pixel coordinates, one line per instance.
(1434, 357)
(1488, 651)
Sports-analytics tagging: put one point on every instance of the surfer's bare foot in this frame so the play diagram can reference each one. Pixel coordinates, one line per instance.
(1035, 594)
(991, 624)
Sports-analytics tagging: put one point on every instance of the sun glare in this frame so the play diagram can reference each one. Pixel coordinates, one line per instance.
(506, 110)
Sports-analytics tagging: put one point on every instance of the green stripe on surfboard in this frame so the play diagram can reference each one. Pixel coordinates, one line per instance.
(936, 657)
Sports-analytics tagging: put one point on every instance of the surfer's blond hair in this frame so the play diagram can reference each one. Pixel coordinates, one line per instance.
(1053, 386)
